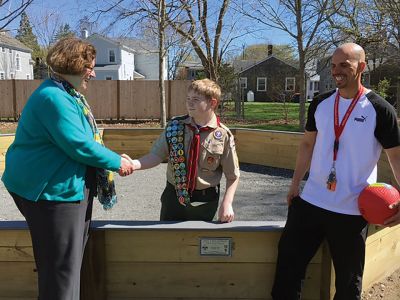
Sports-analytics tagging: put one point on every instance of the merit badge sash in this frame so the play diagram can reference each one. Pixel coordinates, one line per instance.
(175, 133)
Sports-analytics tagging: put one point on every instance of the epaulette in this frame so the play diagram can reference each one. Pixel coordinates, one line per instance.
(223, 126)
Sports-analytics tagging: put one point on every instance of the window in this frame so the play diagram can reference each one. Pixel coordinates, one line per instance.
(243, 82)
(12, 75)
(10, 51)
(316, 86)
(261, 84)
(3, 50)
(111, 55)
(18, 62)
(28, 76)
(2, 76)
(290, 84)
(108, 77)
(311, 86)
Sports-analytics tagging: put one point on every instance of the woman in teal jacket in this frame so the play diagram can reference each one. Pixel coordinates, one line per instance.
(57, 164)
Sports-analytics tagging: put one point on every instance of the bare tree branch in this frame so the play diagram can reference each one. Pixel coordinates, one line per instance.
(10, 14)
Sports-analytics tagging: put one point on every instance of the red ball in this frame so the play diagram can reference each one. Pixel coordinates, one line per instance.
(374, 202)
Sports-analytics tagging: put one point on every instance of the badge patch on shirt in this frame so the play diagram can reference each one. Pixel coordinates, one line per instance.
(218, 134)
(210, 160)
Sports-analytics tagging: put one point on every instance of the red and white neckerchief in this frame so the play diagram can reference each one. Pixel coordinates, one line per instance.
(338, 128)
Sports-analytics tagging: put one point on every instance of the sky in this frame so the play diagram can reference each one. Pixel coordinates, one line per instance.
(70, 11)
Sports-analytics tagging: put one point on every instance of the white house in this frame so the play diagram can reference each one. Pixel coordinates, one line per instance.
(124, 59)
(312, 79)
(15, 58)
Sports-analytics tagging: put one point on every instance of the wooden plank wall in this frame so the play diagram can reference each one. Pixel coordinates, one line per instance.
(137, 263)
(269, 148)
(167, 265)
(109, 99)
(382, 254)
(18, 277)
(264, 147)
(5, 142)
(159, 264)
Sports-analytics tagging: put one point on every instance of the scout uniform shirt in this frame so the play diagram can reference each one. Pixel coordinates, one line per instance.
(217, 153)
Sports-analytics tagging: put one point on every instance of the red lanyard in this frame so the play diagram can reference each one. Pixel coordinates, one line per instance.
(339, 128)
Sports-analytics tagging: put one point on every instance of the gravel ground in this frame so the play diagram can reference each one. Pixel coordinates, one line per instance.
(260, 196)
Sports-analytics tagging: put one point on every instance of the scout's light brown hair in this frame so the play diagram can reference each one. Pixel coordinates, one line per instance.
(70, 56)
(208, 88)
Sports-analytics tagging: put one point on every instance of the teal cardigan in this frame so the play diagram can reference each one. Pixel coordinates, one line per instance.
(52, 147)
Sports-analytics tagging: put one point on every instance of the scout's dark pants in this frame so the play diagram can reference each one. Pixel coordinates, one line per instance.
(59, 232)
(172, 210)
(306, 227)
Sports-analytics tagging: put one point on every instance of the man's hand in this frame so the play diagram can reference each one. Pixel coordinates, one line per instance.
(225, 213)
(395, 219)
(127, 167)
(294, 191)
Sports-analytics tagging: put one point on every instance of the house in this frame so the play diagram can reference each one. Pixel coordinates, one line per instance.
(124, 59)
(312, 79)
(271, 79)
(190, 70)
(15, 58)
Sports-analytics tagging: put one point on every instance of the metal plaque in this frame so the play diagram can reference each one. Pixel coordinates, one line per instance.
(215, 246)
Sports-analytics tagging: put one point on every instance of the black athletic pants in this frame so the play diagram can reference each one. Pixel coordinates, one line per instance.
(172, 210)
(306, 227)
(59, 232)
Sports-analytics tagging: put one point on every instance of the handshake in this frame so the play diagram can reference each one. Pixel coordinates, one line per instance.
(128, 165)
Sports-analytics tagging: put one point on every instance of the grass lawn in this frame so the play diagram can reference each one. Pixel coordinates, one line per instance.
(265, 115)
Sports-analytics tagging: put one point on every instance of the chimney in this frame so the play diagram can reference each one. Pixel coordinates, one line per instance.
(269, 50)
(84, 33)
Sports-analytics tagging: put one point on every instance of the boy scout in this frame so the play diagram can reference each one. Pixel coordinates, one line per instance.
(199, 149)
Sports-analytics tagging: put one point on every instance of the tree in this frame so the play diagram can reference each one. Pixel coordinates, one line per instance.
(64, 31)
(303, 20)
(9, 13)
(359, 21)
(26, 36)
(210, 42)
(153, 13)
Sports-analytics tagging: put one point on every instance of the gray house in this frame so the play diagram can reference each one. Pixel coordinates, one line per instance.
(271, 79)
(15, 58)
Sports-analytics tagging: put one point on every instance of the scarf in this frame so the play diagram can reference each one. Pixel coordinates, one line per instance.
(106, 193)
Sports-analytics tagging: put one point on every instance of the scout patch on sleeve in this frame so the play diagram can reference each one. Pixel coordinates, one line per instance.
(218, 134)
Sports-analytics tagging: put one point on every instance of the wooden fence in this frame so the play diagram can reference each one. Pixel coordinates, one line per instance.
(109, 99)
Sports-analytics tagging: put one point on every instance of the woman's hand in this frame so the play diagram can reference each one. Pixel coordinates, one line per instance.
(126, 166)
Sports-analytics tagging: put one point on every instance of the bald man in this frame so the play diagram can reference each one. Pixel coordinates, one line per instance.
(341, 158)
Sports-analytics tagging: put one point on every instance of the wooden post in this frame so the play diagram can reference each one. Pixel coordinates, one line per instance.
(118, 99)
(93, 273)
(14, 89)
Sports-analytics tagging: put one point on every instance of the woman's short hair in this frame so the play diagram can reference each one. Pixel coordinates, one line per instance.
(70, 56)
(206, 87)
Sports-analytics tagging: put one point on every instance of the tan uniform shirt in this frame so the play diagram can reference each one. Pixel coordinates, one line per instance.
(217, 154)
